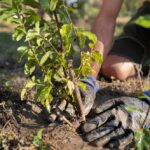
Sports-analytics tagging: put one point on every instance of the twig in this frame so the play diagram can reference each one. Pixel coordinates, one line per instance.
(145, 119)
(77, 91)
(63, 118)
(5, 125)
(139, 77)
(142, 89)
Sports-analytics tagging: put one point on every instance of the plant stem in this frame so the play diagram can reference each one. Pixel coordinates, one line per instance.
(142, 89)
(145, 119)
(77, 91)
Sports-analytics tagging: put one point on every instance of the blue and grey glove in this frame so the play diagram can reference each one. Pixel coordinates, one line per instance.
(115, 122)
(89, 95)
(147, 95)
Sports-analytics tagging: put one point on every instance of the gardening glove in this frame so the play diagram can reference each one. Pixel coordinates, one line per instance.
(147, 95)
(88, 96)
(115, 122)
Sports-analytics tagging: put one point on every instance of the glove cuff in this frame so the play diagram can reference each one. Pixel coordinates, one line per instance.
(147, 95)
(91, 81)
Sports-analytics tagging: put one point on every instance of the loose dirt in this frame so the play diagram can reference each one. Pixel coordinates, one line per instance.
(20, 121)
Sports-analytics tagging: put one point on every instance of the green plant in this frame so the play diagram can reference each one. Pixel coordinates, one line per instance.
(48, 45)
(37, 141)
(142, 139)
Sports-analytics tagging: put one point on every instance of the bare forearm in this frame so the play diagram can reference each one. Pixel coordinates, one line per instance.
(104, 30)
(103, 27)
(104, 41)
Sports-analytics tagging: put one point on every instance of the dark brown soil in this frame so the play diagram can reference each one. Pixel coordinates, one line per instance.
(21, 120)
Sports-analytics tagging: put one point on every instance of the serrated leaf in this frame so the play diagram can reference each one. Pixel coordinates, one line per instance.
(53, 4)
(45, 58)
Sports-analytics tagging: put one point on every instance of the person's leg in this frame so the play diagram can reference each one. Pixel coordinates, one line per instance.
(119, 67)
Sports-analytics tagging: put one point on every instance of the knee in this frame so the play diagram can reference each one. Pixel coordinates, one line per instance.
(115, 70)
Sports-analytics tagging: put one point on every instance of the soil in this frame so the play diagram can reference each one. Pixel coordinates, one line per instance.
(20, 121)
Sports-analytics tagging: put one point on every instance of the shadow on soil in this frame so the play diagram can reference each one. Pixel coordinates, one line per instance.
(27, 114)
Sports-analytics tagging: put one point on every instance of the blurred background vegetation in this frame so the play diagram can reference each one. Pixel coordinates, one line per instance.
(83, 16)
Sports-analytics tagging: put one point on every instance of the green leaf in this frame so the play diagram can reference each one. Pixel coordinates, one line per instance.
(82, 85)
(33, 3)
(44, 96)
(47, 103)
(31, 35)
(23, 92)
(71, 87)
(38, 139)
(22, 51)
(44, 4)
(6, 2)
(65, 32)
(30, 67)
(97, 57)
(39, 41)
(53, 4)
(45, 58)
(39, 135)
(63, 15)
(30, 84)
(18, 33)
(143, 21)
(142, 139)
(92, 37)
(82, 40)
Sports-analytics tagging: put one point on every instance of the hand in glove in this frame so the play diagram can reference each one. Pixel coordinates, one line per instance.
(88, 97)
(115, 123)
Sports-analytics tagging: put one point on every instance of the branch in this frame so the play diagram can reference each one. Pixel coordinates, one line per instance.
(77, 91)
(145, 119)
